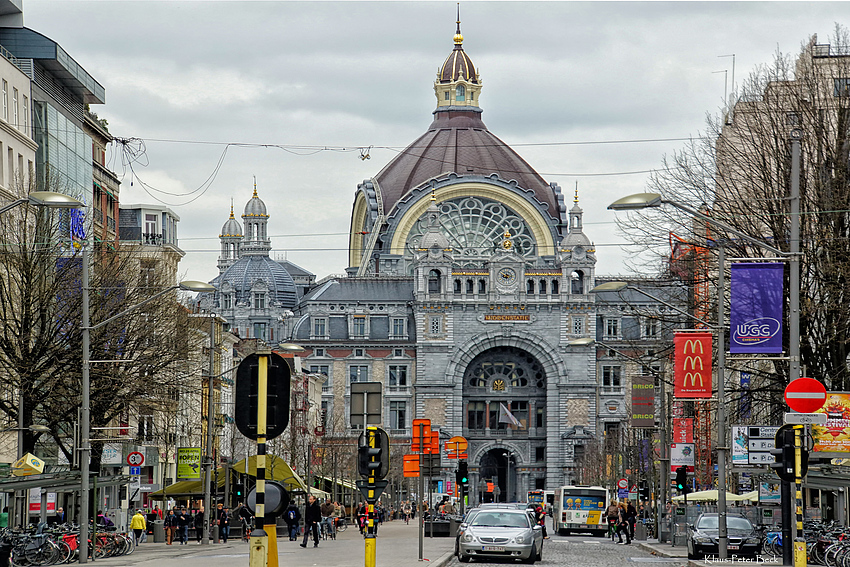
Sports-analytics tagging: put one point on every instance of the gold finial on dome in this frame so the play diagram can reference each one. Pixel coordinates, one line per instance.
(458, 35)
(231, 208)
(255, 186)
(433, 195)
(575, 199)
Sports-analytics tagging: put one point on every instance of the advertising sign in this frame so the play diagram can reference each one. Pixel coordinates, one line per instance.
(740, 445)
(692, 365)
(682, 454)
(188, 463)
(769, 493)
(643, 401)
(683, 430)
(757, 298)
(35, 501)
(834, 435)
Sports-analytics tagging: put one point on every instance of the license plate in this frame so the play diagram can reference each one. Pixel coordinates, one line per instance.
(493, 548)
(733, 547)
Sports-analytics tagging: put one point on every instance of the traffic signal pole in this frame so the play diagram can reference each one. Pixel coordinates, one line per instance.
(258, 552)
(370, 543)
(799, 539)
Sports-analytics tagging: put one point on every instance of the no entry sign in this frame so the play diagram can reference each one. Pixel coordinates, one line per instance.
(805, 395)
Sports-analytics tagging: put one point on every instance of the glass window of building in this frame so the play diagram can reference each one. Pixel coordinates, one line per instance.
(612, 328)
(15, 108)
(322, 369)
(476, 413)
(650, 327)
(320, 327)
(435, 325)
(578, 325)
(398, 415)
(226, 301)
(399, 328)
(398, 375)
(612, 379)
(260, 331)
(358, 326)
(358, 373)
(460, 93)
(259, 301)
(5, 100)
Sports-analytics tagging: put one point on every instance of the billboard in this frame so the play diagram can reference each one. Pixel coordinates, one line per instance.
(643, 401)
(757, 295)
(188, 463)
(692, 365)
(834, 435)
(682, 454)
(683, 430)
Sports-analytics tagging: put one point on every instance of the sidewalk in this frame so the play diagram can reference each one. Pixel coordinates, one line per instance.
(667, 550)
(397, 546)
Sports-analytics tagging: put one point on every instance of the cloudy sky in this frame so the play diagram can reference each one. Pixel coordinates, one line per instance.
(210, 94)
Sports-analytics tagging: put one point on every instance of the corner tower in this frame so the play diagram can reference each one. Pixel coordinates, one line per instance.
(231, 242)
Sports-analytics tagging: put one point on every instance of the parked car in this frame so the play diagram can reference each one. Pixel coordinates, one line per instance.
(500, 532)
(743, 538)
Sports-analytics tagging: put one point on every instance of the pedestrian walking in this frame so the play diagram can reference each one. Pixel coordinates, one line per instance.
(170, 524)
(224, 523)
(631, 516)
(541, 520)
(623, 525)
(405, 511)
(292, 516)
(184, 520)
(199, 525)
(312, 517)
(613, 515)
(138, 524)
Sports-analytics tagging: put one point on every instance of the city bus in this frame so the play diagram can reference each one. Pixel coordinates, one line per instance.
(536, 497)
(581, 509)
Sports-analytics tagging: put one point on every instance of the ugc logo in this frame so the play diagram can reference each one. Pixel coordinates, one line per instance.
(755, 331)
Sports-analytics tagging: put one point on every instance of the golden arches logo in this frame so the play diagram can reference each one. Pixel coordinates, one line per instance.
(692, 345)
(693, 376)
(691, 363)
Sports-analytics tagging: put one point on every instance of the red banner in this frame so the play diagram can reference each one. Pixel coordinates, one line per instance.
(693, 365)
(683, 430)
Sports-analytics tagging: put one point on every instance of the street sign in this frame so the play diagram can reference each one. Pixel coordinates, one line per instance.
(623, 483)
(135, 459)
(135, 471)
(805, 418)
(805, 395)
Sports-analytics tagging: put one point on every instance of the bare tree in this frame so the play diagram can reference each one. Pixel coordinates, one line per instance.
(739, 171)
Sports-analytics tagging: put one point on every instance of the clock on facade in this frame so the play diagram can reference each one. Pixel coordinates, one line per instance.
(507, 276)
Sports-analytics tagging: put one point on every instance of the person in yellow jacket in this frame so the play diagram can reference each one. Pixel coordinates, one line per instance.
(138, 524)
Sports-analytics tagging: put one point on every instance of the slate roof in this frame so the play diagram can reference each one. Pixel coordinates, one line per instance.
(363, 290)
(249, 269)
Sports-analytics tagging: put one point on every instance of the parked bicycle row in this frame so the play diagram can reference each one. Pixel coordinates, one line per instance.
(39, 545)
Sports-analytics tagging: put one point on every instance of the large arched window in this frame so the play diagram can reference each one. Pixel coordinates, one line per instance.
(460, 93)
(434, 281)
(577, 282)
(505, 367)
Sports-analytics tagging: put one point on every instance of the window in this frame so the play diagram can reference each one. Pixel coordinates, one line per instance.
(482, 286)
(147, 273)
(460, 93)
(434, 281)
(469, 286)
(150, 226)
(15, 107)
(435, 325)
(650, 327)
(540, 454)
(447, 96)
(320, 327)
(555, 287)
(358, 352)
(542, 287)
(26, 116)
(612, 328)
(358, 373)
(146, 432)
(577, 283)
(529, 287)
(399, 328)
(540, 417)
(842, 87)
(578, 326)
(475, 415)
(5, 100)
(520, 411)
(398, 415)
(260, 331)
(319, 352)
(399, 352)
(259, 301)
(322, 369)
(398, 375)
(457, 286)
(226, 301)
(611, 379)
(358, 326)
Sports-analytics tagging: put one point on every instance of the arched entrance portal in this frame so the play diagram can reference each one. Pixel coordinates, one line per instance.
(498, 466)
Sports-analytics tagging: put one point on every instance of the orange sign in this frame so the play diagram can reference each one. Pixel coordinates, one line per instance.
(490, 487)
(456, 445)
(421, 429)
(411, 466)
(432, 445)
(693, 365)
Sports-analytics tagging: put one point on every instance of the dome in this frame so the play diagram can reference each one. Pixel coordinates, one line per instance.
(458, 141)
(245, 272)
(255, 207)
(231, 227)
(458, 65)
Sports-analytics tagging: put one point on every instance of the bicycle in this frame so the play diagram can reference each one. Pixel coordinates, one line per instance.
(340, 524)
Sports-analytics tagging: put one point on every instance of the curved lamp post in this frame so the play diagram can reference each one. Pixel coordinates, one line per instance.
(85, 410)
(645, 200)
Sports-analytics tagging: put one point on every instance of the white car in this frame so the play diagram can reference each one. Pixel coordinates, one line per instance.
(501, 532)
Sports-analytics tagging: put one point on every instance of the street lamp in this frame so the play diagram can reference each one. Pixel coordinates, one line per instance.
(85, 410)
(645, 200)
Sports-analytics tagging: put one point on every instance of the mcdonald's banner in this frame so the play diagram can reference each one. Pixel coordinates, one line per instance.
(693, 365)
(757, 297)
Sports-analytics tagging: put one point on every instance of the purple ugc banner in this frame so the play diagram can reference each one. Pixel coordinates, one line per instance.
(758, 296)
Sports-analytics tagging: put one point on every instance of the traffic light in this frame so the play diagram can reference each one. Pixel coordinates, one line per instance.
(277, 398)
(373, 457)
(785, 458)
(644, 490)
(463, 474)
(239, 491)
(682, 478)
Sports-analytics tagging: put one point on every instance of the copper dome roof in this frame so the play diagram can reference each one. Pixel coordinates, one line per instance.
(458, 65)
(458, 141)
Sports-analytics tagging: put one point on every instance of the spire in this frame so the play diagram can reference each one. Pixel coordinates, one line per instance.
(231, 209)
(458, 35)
(575, 199)
(255, 186)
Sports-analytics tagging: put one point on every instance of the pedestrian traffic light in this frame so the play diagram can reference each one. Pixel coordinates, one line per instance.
(373, 453)
(681, 478)
(785, 459)
(239, 490)
(644, 490)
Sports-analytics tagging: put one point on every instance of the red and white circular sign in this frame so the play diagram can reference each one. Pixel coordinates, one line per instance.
(622, 483)
(135, 459)
(805, 395)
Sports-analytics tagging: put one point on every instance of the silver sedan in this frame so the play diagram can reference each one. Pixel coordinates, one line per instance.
(501, 533)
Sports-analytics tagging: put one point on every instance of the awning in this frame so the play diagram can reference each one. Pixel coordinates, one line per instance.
(185, 489)
(276, 469)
